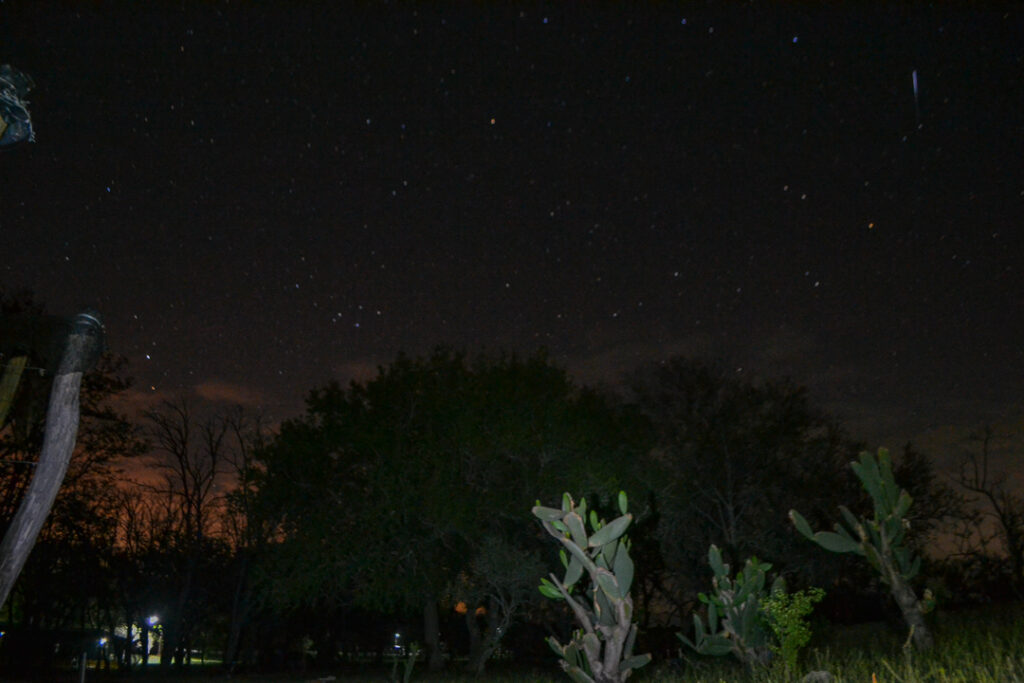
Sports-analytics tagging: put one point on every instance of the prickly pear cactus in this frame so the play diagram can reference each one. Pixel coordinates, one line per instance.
(736, 624)
(601, 650)
(880, 539)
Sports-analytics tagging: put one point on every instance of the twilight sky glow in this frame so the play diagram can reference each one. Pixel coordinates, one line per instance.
(258, 198)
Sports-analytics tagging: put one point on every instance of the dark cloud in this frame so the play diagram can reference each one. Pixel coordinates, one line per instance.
(233, 394)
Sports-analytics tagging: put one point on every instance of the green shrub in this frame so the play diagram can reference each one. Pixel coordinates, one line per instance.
(786, 614)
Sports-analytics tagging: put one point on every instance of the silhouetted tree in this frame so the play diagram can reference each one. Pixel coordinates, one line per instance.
(1000, 503)
(938, 508)
(387, 491)
(500, 581)
(248, 531)
(192, 454)
(142, 564)
(732, 456)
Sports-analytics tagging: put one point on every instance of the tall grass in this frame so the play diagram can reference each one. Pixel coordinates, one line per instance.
(974, 646)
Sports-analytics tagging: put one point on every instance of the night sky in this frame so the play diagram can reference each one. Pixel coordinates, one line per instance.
(258, 197)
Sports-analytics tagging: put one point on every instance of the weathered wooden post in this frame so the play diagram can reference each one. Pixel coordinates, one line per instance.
(9, 384)
(82, 348)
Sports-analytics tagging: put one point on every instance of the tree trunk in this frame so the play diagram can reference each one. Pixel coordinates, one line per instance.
(62, 414)
(167, 648)
(481, 648)
(239, 615)
(912, 615)
(144, 640)
(432, 634)
(1015, 551)
(473, 629)
(175, 629)
(9, 384)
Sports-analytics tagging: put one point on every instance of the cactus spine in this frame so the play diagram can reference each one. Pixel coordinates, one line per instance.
(735, 605)
(601, 649)
(880, 539)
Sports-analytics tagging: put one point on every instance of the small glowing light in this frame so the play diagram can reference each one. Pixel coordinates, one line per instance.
(492, 120)
(871, 225)
(153, 620)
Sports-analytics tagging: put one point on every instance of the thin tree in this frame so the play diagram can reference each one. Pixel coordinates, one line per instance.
(1000, 503)
(248, 530)
(139, 566)
(192, 458)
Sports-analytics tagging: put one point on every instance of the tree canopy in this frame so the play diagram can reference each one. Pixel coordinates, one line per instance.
(388, 489)
(731, 457)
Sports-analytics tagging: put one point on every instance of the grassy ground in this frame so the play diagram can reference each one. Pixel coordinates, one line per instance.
(977, 646)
